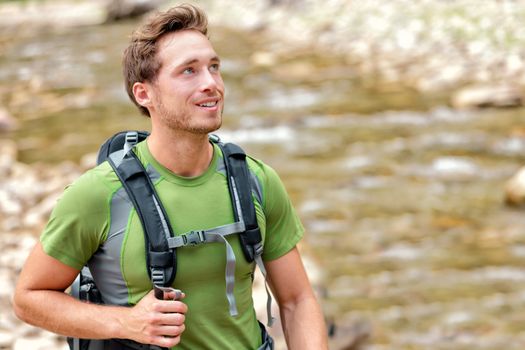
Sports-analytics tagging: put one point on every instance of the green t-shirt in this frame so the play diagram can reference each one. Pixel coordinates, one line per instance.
(95, 223)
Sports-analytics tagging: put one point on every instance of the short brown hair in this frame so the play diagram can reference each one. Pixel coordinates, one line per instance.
(140, 62)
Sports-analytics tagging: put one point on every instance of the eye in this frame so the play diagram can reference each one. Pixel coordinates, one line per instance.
(188, 71)
(214, 67)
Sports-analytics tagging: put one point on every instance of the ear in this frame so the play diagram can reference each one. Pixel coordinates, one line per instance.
(143, 94)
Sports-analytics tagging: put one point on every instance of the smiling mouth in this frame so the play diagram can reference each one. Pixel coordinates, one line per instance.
(208, 104)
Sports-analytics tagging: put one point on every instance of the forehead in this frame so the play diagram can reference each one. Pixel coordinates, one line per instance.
(181, 46)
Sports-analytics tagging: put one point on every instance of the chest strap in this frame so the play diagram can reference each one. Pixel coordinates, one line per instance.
(218, 235)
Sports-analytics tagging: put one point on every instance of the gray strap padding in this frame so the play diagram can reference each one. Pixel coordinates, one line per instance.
(259, 262)
(131, 139)
(162, 219)
(236, 196)
(117, 157)
(129, 144)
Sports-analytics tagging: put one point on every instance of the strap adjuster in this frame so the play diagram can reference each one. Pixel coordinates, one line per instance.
(194, 238)
(214, 138)
(132, 137)
(258, 249)
(157, 276)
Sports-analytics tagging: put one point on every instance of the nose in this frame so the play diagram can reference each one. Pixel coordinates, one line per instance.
(209, 81)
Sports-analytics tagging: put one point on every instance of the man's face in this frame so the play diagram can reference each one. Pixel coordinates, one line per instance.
(188, 94)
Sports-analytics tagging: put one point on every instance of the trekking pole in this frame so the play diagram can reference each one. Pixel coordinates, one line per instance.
(159, 294)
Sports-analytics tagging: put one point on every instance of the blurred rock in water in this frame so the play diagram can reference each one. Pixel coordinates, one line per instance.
(122, 9)
(515, 189)
(482, 96)
(7, 122)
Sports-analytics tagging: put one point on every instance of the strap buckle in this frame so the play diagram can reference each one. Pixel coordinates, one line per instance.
(194, 238)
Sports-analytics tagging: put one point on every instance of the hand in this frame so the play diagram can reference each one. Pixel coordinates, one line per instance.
(156, 322)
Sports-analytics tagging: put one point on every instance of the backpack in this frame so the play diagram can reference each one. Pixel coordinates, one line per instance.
(161, 243)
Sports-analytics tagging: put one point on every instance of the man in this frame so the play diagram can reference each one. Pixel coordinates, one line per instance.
(173, 75)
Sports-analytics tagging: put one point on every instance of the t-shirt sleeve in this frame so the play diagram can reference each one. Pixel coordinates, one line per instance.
(283, 226)
(78, 223)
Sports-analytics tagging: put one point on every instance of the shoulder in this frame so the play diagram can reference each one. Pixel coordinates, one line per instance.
(269, 181)
(91, 190)
(100, 179)
(80, 219)
(261, 170)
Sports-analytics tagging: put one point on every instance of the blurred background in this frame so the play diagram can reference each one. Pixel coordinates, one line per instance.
(397, 128)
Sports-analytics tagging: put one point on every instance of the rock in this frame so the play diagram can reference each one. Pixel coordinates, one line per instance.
(8, 156)
(88, 161)
(515, 189)
(11, 223)
(121, 9)
(39, 214)
(6, 339)
(454, 167)
(35, 343)
(483, 96)
(14, 254)
(351, 336)
(7, 122)
(263, 59)
(284, 2)
(9, 205)
(6, 287)
(57, 13)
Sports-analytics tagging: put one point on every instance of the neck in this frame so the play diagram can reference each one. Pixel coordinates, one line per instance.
(183, 153)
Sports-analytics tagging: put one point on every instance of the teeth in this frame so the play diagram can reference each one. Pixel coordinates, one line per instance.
(208, 104)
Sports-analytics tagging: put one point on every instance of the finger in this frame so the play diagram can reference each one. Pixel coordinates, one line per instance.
(167, 306)
(169, 331)
(170, 319)
(165, 342)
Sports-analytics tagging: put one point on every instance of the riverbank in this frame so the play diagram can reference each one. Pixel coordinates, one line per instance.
(430, 46)
(401, 196)
(27, 196)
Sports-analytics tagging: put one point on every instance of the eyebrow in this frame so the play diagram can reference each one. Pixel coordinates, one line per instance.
(194, 60)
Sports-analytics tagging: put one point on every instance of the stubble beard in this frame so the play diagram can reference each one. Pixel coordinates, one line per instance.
(181, 121)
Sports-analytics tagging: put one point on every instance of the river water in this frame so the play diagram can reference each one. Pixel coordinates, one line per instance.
(401, 196)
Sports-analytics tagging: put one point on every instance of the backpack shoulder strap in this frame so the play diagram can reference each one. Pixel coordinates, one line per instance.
(161, 260)
(239, 184)
(238, 176)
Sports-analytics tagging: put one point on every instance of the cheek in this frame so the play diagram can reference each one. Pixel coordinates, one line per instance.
(220, 84)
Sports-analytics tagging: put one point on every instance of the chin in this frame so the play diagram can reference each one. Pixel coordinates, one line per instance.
(206, 129)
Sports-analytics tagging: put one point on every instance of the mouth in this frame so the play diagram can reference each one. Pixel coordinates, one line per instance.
(209, 104)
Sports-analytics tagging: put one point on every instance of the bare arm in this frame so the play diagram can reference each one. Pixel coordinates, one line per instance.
(303, 322)
(40, 300)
